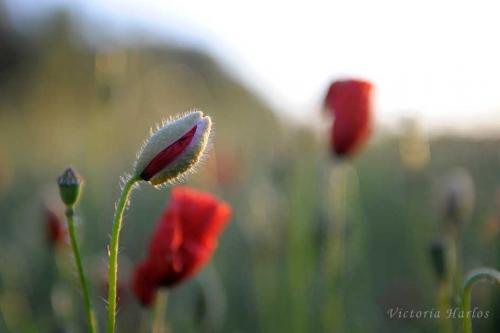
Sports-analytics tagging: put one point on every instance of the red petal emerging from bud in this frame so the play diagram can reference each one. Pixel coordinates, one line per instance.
(350, 101)
(167, 155)
(182, 243)
(174, 149)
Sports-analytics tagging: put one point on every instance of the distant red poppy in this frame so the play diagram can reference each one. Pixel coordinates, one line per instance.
(55, 230)
(350, 102)
(182, 242)
(229, 170)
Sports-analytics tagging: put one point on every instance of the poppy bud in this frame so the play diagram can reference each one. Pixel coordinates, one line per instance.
(438, 258)
(173, 149)
(459, 197)
(69, 187)
(350, 102)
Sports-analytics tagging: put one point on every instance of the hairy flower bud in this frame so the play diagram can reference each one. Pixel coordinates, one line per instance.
(173, 149)
(69, 187)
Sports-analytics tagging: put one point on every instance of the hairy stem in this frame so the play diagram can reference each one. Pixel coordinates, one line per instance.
(479, 274)
(78, 260)
(113, 252)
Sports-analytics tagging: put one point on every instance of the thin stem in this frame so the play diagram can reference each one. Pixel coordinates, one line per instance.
(479, 274)
(113, 252)
(452, 279)
(3, 324)
(456, 262)
(452, 257)
(335, 248)
(144, 326)
(159, 324)
(78, 260)
(444, 305)
(340, 238)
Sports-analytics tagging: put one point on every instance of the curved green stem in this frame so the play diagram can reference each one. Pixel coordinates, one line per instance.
(113, 252)
(78, 260)
(488, 274)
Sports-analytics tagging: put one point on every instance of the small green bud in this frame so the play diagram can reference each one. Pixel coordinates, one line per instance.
(69, 187)
(438, 258)
(173, 149)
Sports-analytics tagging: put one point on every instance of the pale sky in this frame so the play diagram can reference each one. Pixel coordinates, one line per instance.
(438, 60)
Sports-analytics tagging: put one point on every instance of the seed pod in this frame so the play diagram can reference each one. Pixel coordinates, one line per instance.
(174, 149)
(69, 187)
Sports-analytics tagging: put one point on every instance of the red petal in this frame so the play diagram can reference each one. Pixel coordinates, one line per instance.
(167, 155)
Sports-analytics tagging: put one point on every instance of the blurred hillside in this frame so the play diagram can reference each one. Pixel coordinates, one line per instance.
(83, 100)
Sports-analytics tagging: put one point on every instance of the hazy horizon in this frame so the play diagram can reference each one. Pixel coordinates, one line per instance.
(433, 62)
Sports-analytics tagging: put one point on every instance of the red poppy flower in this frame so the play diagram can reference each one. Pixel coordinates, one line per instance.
(182, 242)
(350, 102)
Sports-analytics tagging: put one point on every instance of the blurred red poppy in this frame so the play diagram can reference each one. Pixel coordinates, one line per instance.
(350, 102)
(55, 229)
(144, 284)
(182, 242)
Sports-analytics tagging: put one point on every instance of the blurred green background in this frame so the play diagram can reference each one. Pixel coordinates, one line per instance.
(64, 101)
